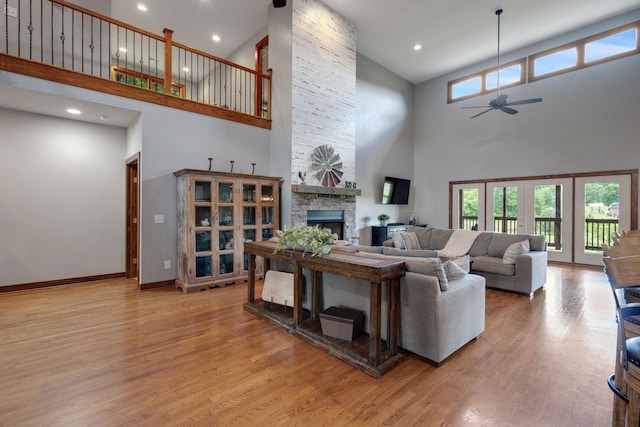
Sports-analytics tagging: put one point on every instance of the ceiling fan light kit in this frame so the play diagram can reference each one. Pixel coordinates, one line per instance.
(500, 102)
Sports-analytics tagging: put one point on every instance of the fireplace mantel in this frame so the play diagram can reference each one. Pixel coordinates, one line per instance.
(318, 189)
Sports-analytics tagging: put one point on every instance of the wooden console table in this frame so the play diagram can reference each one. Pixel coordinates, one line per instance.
(369, 354)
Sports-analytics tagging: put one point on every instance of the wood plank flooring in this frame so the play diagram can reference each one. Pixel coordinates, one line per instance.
(105, 354)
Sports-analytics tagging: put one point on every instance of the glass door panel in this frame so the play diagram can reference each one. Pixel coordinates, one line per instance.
(267, 233)
(506, 210)
(551, 215)
(603, 206)
(225, 240)
(202, 191)
(226, 263)
(248, 193)
(225, 216)
(249, 215)
(267, 194)
(468, 206)
(249, 235)
(203, 241)
(203, 266)
(267, 215)
(225, 192)
(203, 216)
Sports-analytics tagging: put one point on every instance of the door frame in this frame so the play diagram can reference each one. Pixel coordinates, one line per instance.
(132, 215)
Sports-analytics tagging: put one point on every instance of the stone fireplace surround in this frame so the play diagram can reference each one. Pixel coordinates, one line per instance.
(306, 198)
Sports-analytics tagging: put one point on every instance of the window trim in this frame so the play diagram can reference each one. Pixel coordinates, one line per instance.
(483, 80)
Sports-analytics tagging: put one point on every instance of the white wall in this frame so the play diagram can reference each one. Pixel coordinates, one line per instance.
(384, 142)
(63, 210)
(170, 140)
(588, 121)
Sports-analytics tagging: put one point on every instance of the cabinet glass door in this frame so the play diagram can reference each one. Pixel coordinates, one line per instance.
(203, 216)
(225, 216)
(225, 192)
(226, 263)
(202, 191)
(248, 193)
(203, 266)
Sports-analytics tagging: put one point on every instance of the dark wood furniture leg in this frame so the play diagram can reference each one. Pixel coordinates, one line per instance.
(375, 340)
(251, 288)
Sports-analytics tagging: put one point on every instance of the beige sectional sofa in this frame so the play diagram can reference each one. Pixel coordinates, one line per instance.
(526, 274)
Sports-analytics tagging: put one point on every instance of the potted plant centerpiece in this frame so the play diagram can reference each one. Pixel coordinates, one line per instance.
(314, 240)
(383, 218)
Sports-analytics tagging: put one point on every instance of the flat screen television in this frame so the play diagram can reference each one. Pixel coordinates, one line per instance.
(395, 191)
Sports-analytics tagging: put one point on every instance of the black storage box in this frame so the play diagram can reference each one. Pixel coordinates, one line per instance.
(342, 322)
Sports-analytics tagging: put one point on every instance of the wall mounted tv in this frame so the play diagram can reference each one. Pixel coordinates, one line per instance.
(395, 191)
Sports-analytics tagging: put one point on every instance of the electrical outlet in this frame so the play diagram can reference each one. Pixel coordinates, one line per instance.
(167, 264)
(11, 11)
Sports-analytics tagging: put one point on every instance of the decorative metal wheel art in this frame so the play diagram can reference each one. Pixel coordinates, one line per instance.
(326, 165)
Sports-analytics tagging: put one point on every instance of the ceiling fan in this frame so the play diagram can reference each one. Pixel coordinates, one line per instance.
(500, 102)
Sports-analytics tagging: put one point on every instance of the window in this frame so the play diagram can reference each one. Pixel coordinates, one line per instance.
(511, 74)
(612, 45)
(153, 83)
(603, 47)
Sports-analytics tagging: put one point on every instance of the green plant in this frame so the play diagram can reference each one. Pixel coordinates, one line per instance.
(383, 217)
(314, 240)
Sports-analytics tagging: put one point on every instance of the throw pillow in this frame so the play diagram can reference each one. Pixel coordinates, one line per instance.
(424, 253)
(453, 271)
(407, 240)
(423, 233)
(463, 262)
(514, 250)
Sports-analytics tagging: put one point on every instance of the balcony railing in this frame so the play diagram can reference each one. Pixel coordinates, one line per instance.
(598, 232)
(56, 40)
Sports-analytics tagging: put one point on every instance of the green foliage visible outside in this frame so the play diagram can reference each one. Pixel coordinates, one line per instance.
(599, 197)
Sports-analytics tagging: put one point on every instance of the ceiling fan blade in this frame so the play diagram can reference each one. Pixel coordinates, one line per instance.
(485, 111)
(525, 101)
(509, 110)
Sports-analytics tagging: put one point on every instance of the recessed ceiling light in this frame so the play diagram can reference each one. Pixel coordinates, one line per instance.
(216, 38)
(185, 69)
(123, 49)
(73, 111)
(417, 47)
(142, 7)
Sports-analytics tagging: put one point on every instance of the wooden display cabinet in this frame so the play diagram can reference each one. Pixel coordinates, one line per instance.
(217, 213)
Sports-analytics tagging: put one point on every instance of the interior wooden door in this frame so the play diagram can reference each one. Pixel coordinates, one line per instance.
(132, 204)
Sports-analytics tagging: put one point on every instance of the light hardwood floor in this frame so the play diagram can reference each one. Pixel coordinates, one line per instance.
(105, 354)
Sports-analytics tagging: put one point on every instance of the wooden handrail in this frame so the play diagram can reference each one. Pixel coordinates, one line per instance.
(71, 75)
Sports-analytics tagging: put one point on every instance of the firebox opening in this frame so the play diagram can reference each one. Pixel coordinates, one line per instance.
(333, 220)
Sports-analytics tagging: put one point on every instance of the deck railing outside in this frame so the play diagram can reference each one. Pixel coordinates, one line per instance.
(60, 34)
(598, 232)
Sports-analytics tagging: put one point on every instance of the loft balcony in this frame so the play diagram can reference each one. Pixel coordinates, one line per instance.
(61, 42)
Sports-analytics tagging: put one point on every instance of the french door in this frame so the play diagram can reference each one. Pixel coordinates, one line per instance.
(577, 214)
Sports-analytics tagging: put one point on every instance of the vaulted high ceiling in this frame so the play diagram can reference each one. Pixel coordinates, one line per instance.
(453, 33)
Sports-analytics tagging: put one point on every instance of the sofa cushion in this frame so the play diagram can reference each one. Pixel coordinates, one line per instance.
(481, 244)
(514, 250)
(439, 238)
(453, 270)
(423, 234)
(491, 264)
(424, 253)
(501, 241)
(406, 240)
